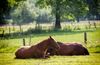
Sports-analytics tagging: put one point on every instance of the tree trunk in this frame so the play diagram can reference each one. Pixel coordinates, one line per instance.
(57, 15)
(57, 23)
(77, 19)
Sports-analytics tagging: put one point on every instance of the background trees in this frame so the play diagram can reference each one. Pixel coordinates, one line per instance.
(25, 11)
(94, 9)
(4, 8)
(21, 14)
(72, 8)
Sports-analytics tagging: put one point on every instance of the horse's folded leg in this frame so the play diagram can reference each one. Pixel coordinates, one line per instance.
(46, 56)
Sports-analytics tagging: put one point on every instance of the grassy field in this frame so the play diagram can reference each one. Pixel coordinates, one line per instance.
(92, 59)
(7, 50)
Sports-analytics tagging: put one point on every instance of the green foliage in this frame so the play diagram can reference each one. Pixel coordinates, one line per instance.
(67, 7)
(68, 28)
(44, 18)
(70, 9)
(21, 14)
(94, 9)
(27, 12)
(38, 29)
(4, 9)
(5, 6)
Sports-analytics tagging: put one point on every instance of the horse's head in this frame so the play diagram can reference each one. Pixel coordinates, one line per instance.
(53, 44)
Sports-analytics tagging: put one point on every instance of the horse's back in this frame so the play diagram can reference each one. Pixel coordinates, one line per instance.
(78, 49)
(64, 49)
(72, 49)
(22, 52)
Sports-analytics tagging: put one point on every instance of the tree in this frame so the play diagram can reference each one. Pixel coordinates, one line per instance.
(74, 8)
(44, 18)
(55, 5)
(78, 10)
(21, 14)
(5, 6)
(94, 8)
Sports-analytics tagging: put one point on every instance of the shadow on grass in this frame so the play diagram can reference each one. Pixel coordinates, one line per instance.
(36, 33)
(97, 52)
(31, 58)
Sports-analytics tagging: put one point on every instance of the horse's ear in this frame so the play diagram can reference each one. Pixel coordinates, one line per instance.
(50, 37)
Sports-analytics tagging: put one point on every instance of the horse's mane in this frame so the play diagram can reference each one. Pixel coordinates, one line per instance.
(59, 42)
(42, 42)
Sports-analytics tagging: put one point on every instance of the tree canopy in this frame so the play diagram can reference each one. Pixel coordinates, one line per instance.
(21, 14)
(60, 8)
(94, 9)
(74, 10)
(5, 6)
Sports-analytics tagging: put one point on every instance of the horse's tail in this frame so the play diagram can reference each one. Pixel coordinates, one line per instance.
(86, 51)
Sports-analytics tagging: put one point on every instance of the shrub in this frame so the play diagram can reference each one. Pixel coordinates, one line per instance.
(67, 28)
(38, 29)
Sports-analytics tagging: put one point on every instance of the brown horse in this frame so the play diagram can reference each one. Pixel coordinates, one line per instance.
(69, 49)
(37, 51)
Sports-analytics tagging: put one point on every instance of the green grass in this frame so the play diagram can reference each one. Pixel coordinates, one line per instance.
(75, 36)
(93, 45)
(92, 59)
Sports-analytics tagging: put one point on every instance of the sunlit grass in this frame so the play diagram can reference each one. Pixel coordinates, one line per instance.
(93, 39)
(92, 59)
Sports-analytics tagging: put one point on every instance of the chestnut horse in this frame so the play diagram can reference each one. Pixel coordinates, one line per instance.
(69, 49)
(37, 51)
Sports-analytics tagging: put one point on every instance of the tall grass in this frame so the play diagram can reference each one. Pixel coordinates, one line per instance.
(4, 43)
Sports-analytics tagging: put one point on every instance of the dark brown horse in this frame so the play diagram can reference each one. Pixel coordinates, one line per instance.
(69, 49)
(37, 51)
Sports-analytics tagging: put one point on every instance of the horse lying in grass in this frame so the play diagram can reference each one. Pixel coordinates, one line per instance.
(69, 49)
(37, 51)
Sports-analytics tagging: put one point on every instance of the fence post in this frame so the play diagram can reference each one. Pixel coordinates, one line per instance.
(89, 24)
(85, 37)
(95, 25)
(9, 30)
(20, 27)
(21, 30)
(2, 35)
(23, 41)
(13, 28)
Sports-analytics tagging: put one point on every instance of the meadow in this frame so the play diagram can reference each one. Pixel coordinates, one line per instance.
(8, 46)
